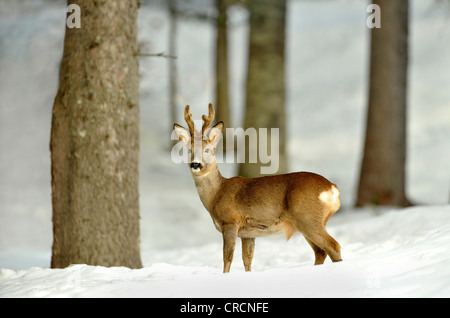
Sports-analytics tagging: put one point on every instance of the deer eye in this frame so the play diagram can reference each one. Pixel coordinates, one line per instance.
(207, 150)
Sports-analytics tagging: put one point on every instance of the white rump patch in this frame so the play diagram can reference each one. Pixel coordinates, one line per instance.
(330, 197)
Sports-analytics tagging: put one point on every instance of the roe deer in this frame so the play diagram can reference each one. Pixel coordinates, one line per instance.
(257, 207)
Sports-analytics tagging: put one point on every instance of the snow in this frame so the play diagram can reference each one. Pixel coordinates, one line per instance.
(386, 252)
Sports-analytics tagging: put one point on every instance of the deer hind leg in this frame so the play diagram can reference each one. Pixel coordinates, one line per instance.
(229, 233)
(320, 254)
(323, 240)
(248, 247)
(314, 232)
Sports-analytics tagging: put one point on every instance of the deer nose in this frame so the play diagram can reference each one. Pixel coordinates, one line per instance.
(196, 165)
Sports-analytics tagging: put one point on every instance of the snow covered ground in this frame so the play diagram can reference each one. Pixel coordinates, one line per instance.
(387, 253)
(401, 253)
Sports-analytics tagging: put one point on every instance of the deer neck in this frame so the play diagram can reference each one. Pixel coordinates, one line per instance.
(208, 186)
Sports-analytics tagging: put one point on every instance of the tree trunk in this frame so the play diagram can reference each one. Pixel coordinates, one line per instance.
(222, 97)
(173, 73)
(95, 140)
(382, 177)
(265, 100)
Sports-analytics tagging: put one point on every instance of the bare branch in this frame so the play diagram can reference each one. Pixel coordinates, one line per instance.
(155, 54)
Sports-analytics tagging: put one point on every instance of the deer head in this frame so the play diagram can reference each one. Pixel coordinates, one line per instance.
(201, 145)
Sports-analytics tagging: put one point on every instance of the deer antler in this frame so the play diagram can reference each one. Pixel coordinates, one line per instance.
(208, 120)
(188, 119)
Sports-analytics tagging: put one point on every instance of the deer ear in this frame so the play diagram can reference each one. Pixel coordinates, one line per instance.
(182, 133)
(215, 133)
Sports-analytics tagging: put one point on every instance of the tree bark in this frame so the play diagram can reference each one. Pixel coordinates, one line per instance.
(265, 99)
(95, 140)
(382, 176)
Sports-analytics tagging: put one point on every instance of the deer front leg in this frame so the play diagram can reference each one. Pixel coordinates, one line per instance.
(229, 233)
(248, 247)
